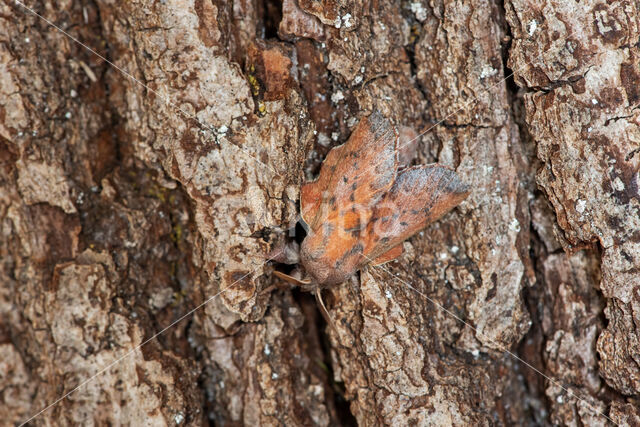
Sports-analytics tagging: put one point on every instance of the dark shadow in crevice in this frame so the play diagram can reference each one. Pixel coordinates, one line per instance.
(336, 391)
(272, 15)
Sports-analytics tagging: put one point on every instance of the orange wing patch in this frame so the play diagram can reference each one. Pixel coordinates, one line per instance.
(388, 256)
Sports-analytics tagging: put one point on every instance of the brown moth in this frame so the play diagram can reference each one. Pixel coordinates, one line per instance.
(362, 207)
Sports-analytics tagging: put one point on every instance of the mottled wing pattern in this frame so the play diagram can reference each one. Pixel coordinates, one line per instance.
(419, 196)
(353, 177)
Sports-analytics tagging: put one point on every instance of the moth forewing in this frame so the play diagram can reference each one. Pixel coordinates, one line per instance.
(357, 172)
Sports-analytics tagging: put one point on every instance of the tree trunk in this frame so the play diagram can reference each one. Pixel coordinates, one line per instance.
(142, 184)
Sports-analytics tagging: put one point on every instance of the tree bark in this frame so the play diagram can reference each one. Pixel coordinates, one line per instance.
(142, 184)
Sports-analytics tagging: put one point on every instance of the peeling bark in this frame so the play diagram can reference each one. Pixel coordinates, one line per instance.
(144, 203)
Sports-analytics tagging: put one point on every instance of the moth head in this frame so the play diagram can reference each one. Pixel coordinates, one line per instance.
(312, 259)
(321, 266)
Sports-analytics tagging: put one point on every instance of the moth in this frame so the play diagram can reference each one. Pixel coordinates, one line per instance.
(363, 205)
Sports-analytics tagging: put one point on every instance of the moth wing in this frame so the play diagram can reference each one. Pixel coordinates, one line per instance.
(419, 196)
(390, 255)
(353, 176)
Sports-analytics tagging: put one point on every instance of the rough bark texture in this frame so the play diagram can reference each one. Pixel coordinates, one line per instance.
(126, 205)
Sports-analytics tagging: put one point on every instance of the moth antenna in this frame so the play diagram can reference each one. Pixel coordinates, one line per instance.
(325, 312)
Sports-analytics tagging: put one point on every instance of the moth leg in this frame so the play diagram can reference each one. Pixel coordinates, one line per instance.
(268, 289)
(291, 279)
(324, 311)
